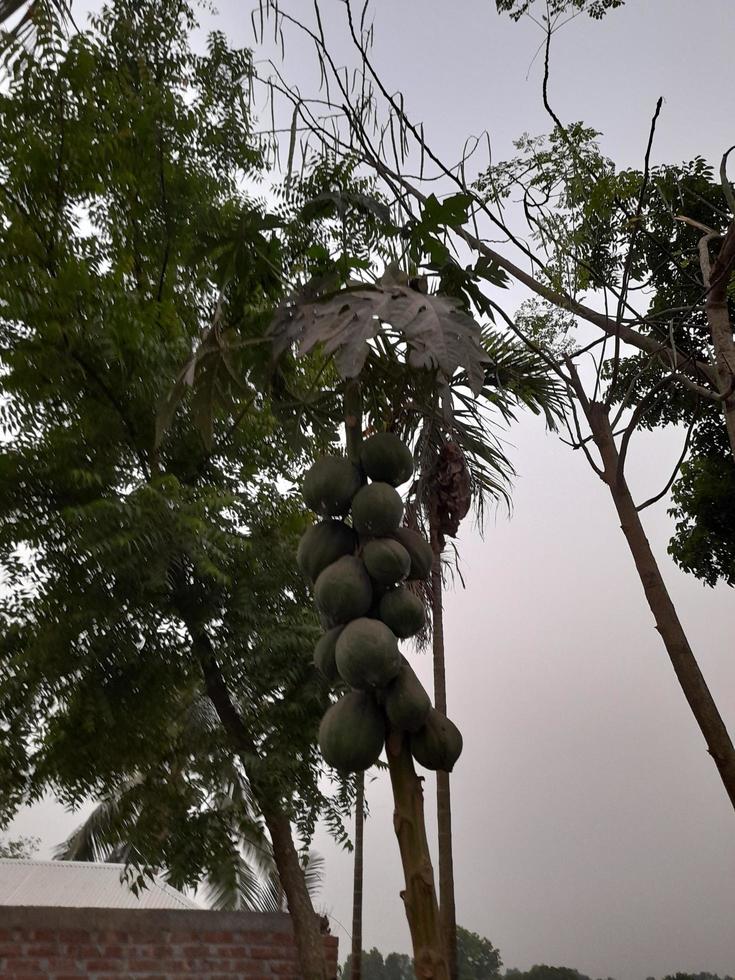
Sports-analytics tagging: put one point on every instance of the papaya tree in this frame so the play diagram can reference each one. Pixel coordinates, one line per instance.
(394, 343)
(376, 122)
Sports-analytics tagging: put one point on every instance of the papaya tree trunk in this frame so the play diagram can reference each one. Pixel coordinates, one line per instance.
(356, 957)
(447, 911)
(419, 895)
(307, 932)
(353, 439)
(689, 675)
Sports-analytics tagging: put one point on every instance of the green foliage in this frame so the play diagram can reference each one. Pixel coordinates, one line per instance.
(133, 520)
(696, 976)
(704, 505)
(477, 958)
(396, 966)
(593, 8)
(19, 848)
(606, 229)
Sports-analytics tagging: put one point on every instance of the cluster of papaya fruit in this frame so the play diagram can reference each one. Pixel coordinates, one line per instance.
(359, 566)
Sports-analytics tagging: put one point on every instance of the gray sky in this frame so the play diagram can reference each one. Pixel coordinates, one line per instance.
(591, 828)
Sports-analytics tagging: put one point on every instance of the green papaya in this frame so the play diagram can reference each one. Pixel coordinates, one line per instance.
(437, 744)
(406, 702)
(322, 544)
(386, 560)
(324, 653)
(386, 459)
(367, 654)
(352, 732)
(343, 590)
(330, 484)
(419, 550)
(377, 510)
(402, 611)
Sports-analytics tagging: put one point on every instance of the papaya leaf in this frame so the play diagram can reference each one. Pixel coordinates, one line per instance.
(338, 202)
(439, 335)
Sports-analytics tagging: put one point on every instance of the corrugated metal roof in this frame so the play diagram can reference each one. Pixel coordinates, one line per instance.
(81, 884)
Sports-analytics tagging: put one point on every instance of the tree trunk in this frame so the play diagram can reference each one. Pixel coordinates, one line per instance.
(353, 438)
(704, 709)
(309, 942)
(307, 933)
(447, 911)
(419, 895)
(356, 959)
(716, 307)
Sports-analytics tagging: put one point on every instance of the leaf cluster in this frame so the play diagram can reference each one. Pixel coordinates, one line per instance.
(135, 252)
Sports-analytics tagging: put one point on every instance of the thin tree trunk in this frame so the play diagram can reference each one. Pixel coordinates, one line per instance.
(419, 895)
(353, 438)
(356, 958)
(716, 279)
(307, 933)
(447, 911)
(704, 709)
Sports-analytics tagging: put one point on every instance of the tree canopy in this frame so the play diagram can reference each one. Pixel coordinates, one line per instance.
(140, 516)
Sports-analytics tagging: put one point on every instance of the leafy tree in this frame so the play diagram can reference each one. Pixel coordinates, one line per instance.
(477, 958)
(543, 972)
(372, 966)
(554, 8)
(398, 966)
(695, 976)
(147, 532)
(19, 847)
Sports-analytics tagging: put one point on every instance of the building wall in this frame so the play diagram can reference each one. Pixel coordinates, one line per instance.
(109, 944)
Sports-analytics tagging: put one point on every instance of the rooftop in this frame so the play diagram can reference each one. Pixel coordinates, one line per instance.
(82, 884)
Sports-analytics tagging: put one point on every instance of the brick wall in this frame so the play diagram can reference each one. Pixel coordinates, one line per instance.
(158, 944)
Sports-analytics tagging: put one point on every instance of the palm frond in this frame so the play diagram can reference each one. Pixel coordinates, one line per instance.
(313, 865)
(519, 378)
(234, 885)
(23, 30)
(102, 836)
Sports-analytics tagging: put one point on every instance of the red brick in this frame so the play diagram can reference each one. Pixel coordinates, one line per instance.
(238, 952)
(216, 937)
(273, 953)
(108, 966)
(23, 964)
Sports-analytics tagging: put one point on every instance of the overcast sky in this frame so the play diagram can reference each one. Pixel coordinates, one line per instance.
(590, 826)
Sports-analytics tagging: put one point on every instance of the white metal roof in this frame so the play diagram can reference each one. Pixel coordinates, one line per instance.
(81, 884)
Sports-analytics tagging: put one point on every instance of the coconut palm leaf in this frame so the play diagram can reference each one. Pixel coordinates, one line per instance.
(235, 885)
(23, 29)
(101, 837)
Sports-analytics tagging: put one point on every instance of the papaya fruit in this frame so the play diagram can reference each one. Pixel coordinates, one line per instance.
(402, 611)
(386, 459)
(322, 544)
(352, 732)
(330, 484)
(437, 744)
(367, 654)
(377, 510)
(324, 653)
(343, 590)
(386, 560)
(405, 701)
(419, 551)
